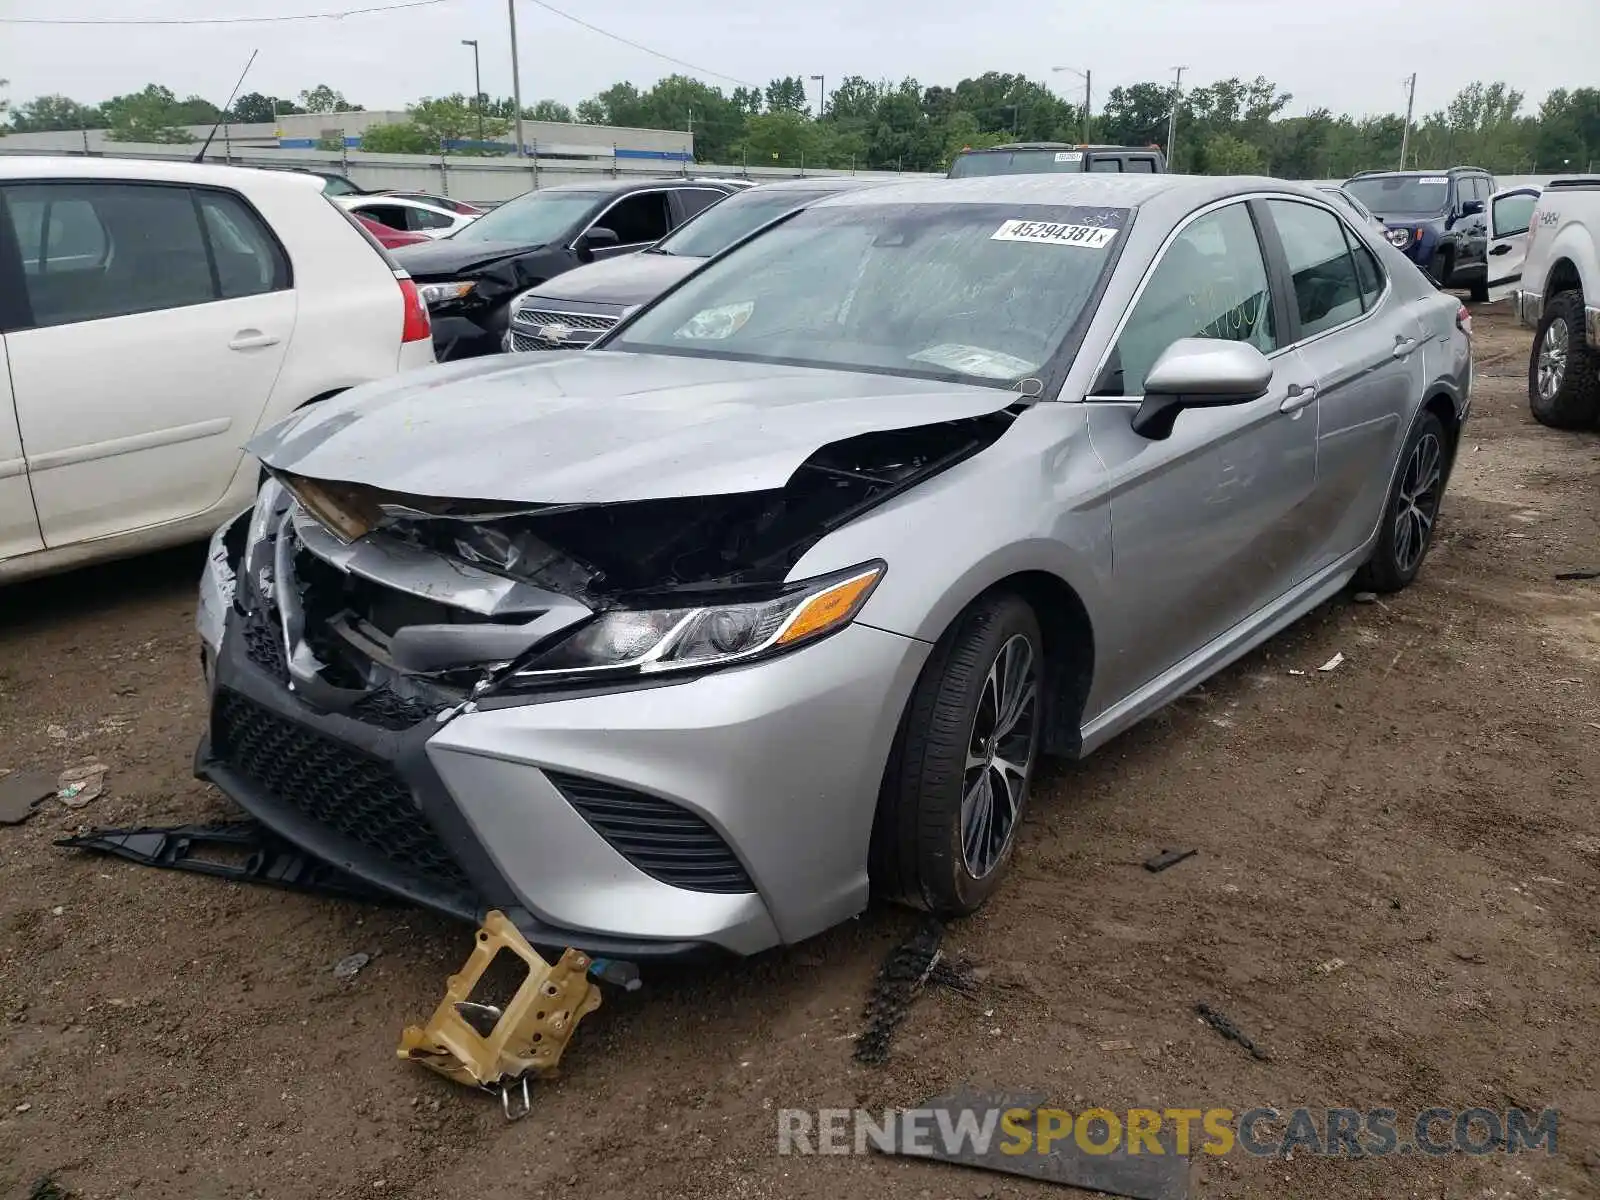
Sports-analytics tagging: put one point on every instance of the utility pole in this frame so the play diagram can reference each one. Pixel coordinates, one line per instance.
(516, 76)
(1087, 77)
(822, 95)
(1405, 134)
(1172, 116)
(477, 85)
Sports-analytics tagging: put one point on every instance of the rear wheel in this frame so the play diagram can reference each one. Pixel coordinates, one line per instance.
(1411, 511)
(1563, 374)
(958, 776)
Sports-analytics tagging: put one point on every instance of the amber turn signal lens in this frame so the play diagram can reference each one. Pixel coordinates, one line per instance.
(830, 608)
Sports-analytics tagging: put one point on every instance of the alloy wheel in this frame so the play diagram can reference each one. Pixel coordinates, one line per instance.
(1000, 751)
(1553, 359)
(1418, 502)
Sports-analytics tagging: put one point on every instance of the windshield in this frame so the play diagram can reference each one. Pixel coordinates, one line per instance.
(533, 218)
(1402, 193)
(726, 221)
(1015, 162)
(982, 293)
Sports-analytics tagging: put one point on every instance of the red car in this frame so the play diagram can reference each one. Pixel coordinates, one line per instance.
(387, 236)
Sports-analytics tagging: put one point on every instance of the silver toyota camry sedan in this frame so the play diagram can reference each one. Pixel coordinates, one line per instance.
(775, 598)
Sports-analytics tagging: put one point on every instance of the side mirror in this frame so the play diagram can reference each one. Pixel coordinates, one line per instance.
(1199, 373)
(598, 238)
(1471, 208)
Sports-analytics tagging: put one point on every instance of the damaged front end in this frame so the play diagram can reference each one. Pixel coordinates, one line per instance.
(359, 622)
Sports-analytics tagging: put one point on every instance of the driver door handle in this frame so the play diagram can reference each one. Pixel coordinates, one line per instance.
(1403, 346)
(1502, 248)
(252, 339)
(1298, 398)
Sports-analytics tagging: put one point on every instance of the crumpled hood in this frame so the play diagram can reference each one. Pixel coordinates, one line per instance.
(591, 427)
(440, 257)
(630, 279)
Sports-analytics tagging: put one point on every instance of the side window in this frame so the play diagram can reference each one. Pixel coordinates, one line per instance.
(425, 218)
(1326, 291)
(696, 200)
(392, 215)
(1211, 282)
(1368, 273)
(1144, 166)
(249, 261)
(123, 248)
(1513, 214)
(637, 219)
(1105, 164)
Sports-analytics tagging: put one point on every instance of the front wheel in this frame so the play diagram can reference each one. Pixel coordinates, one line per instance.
(1411, 510)
(962, 762)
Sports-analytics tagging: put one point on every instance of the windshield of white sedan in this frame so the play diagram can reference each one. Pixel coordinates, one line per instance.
(985, 293)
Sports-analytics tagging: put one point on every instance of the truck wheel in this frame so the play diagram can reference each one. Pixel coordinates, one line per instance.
(1441, 266)
(1563, 372)
(962, 761)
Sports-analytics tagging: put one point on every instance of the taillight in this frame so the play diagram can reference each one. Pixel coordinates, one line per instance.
(417, 327)
(1464, 320)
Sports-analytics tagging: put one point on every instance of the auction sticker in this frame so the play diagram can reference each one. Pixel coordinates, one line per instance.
(1069, 156)
(1434, 179)
(1050, 233)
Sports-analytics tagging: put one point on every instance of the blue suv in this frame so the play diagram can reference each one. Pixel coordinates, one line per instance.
(1438, 218)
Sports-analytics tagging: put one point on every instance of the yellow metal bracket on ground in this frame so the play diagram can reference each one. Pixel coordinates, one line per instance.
(529, 1034)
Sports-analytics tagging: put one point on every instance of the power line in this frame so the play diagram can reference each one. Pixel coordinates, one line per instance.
(617, 37)
(321, 16)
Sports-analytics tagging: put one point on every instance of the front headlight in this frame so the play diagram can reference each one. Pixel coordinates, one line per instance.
(648, 642)
(442, 293)
(1399, 238)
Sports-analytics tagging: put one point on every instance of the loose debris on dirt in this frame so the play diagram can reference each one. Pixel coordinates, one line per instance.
(1167, 858)
(21, 793)
(1230, 1031)
(81, 782)
(902, 975)
(1569, 575)
(350, 965)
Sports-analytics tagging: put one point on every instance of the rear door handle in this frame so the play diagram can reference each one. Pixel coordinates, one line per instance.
(252, 339)
(1403, 346)
(1502, 248)
(1297, 398)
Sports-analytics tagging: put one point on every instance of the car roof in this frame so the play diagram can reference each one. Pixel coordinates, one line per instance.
(1416, 173)
(1061, 146)
(46, 166)
(812, 183)
(1086, 190)
(405, 201)
(620, 186)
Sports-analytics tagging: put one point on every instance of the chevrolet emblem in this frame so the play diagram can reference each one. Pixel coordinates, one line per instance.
(556, 333)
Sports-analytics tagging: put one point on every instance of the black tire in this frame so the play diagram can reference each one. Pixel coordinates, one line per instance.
(1480, 292)
(1414, 496)
(1574, 400)
(918, 855)
(1441, 267)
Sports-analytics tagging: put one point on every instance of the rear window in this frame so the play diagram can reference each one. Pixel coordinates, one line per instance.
(1016, 162)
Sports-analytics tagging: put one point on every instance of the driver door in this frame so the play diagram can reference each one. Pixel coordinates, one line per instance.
(639, 219)
(1207, 525)
(1510, 213)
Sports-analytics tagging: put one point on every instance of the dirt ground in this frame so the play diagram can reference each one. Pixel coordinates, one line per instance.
(1425, 812)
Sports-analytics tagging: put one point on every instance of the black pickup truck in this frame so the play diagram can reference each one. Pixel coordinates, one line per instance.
(1043, 158)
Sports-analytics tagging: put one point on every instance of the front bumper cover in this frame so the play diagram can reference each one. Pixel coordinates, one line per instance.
(780, 759)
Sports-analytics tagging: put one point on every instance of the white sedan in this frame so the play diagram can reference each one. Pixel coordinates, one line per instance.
(153, 317)
(403, 212)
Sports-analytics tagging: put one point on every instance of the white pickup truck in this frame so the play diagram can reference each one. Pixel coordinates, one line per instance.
(1559, 297)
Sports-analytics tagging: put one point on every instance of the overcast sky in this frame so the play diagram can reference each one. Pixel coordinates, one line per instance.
(1351, 56)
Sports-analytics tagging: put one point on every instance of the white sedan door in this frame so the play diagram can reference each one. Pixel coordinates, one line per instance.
(1510, 212)
(19, 526)
(160, 316)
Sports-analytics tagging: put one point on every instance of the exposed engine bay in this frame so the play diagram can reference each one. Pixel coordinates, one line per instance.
(402, 606)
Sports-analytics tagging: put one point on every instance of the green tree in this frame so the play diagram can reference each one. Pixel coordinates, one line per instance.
(550, 110)
(255, 109)
(402, 137)
(47, 114)
(787, 94)
(1225, 154)
(323, 99)
(151, 115)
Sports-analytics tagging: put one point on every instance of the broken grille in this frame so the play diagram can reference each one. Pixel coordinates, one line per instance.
(337, 787)
(664, 841)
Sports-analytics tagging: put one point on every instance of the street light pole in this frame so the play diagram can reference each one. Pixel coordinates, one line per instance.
(1172, 116)
(822, 95)
(1088, 94)
(1405, 133)
(516, 76)
(477, 84)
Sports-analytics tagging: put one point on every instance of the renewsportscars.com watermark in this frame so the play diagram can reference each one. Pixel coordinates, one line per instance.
(1263, 1132)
